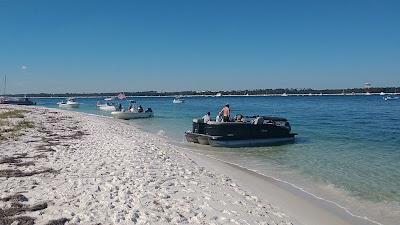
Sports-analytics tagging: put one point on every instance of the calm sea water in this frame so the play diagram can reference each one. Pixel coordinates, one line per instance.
(347, 150)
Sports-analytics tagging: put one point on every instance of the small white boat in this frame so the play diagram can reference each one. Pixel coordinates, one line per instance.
(284, 95)
(70, 103)
(218, 95)
(367, 93)
(382, 93)
(109, 99)
(178, 100)
(107, 107)
(387, 98)
(132, 115)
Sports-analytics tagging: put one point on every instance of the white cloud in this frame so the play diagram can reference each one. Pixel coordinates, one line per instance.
(23, 67)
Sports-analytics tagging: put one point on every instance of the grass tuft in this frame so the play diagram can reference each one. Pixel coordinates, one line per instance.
(15, 113)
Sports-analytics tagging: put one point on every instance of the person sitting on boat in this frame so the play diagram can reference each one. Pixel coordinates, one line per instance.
(239, 118)
(226, 113)
(206, 118)
(218, 118)
(140, 109)
(120, 107)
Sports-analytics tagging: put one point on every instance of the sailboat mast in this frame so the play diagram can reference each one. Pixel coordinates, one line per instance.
(5, 84)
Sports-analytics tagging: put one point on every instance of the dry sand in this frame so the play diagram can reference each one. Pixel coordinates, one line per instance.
(73, 168)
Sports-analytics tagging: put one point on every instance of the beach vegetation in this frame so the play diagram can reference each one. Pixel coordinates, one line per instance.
(15, 113)
(12, 123)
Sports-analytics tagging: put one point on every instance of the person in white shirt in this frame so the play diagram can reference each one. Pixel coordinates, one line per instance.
(206, 117)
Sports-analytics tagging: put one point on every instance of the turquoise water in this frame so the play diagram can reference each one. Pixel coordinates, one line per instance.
(347, 150)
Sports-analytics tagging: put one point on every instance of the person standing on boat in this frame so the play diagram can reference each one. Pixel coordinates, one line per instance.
(226, 111)
(206, 117)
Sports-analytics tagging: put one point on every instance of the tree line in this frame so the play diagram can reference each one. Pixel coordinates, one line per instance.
(279, 91)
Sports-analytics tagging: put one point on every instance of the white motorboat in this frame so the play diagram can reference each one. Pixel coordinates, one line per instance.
(218, 94)
(70, 103)
(387, 98)
(178, 100)
(127, 115)
(284, 95)
(109, 99)
(382, 93)
(107, 106)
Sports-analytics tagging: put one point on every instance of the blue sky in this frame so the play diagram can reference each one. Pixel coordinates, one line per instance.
(94, 46)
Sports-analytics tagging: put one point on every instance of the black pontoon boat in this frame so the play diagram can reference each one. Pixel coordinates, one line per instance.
(251, 131)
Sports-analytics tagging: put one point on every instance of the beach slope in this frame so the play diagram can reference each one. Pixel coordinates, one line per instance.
(74, 168)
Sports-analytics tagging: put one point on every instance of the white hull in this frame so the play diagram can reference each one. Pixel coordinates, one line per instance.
(390, 98)
(131, 115)
(178, 101)
(69, 105)
(107, 107)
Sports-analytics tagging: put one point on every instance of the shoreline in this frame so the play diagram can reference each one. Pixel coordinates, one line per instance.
(295, 205)
(340, 214)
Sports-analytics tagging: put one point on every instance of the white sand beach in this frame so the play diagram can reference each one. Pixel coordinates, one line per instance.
(74, 168)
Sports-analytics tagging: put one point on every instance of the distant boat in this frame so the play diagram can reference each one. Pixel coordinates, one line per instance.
(218, 94)
(108, 105)
(16, 101)
(309, 94)
(387, 98)
(132, 115)
(382, 93)
(70, 103)
(367, 93)
(284, 95)
(12, 100)
(178, 100)
(109, 99)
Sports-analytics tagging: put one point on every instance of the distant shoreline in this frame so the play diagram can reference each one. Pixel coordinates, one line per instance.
(207, 96)
(255, 92)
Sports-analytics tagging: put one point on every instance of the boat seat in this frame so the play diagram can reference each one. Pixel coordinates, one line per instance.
(198, 121)
(259, 120)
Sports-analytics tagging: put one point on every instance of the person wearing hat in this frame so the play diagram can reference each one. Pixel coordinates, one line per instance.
(226, 113)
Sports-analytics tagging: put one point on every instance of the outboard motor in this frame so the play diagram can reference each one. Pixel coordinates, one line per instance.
(198, 126)
(287, 125)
